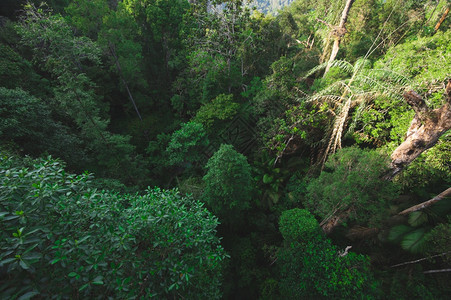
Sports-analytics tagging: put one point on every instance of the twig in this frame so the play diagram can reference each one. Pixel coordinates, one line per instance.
(345, 252)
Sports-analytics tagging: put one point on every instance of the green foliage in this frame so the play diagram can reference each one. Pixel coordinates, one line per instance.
(15, 71)
(87, 16)
(95, 82)
(186, 144)
(270, 179)
(58, 51)
(119, 37)
(402, 286)
(430, 169)
(411, 239)
(298, 225)
(351, 181)
(311, 267)
(27, 123)
(61, 236)
(410, 58)
(228, 184)
(439, 241)
(221, 108)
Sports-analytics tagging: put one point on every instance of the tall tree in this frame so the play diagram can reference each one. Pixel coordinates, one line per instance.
(66, 57)
(338, 32)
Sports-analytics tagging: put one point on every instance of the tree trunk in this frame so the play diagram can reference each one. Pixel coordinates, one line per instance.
(439, 23)
(338, 33)
(425, 129)
(119, 70)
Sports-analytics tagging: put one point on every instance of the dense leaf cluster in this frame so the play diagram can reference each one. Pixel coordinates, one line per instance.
(61, 236)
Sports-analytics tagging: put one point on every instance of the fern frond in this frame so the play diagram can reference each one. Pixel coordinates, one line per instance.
(335, 87)
(342, 65)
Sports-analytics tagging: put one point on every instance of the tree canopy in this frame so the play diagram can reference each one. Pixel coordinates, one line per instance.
(231, 149)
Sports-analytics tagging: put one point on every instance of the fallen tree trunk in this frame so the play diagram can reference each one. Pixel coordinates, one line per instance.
(425, 129)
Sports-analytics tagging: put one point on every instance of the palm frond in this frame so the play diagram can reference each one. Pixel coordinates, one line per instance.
(397, 233)
(335, 87)
(326, 98)
(315, 69)
(414, 241)
(341, 64)
(361, 64)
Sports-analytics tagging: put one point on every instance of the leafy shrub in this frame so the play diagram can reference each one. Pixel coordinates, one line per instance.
(186, 144)
(27, 122)
(298, 225)
(351, 181)
(228, 183)
(221, 108)
(410, 58)
(311, 267)
(59, 236)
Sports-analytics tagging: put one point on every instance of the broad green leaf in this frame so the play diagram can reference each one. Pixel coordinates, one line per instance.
(72, 274)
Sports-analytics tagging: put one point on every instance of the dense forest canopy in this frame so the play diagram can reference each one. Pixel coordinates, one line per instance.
(226, 149)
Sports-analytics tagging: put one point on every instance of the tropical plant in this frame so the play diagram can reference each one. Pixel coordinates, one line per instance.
(186, 144)
(228, 184)
(351, 187)
(360, 85)
(60, 236)
(311, 267)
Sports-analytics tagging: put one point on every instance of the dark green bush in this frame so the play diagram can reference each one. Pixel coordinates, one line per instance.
(352, 182)
(228, 184)
(311, 267)
(298, 225)
(61, 237)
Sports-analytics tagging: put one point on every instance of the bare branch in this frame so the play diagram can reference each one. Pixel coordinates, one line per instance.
(437, 271)
(419, 260)
(428, 203)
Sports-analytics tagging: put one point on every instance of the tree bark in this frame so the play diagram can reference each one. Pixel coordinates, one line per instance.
(425, 129)
(338, 33)
(428, 203)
